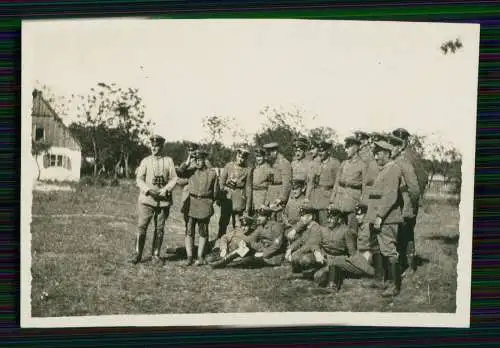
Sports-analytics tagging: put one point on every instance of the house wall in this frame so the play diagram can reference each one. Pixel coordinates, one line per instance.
(54, 132)
(67, 170)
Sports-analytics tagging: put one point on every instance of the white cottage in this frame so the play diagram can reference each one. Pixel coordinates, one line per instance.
(63, 160)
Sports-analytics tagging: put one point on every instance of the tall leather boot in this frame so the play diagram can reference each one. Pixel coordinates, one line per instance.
(202, 241)
(335, 278)
(139, 247)
(188, 242)
(378, 265)
(156, 249)
(395, 282)
(410, 256)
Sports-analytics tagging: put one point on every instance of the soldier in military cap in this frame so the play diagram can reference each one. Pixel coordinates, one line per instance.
(300, 163)
(383, 216)
(412, 193)
(350, 180)
(203, 191)
(366, 154)
(351, 263)
(236, 190)
(280, 181)
(291, 214)
(188, 165)
(312, 154)
(321, 180)
(265, 245)
(156, 178)
(261, 176)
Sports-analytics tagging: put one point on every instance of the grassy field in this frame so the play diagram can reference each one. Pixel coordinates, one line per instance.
(81, 241)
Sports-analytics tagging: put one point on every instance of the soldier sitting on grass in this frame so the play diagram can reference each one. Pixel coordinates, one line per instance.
(263, 247)
(227, 247)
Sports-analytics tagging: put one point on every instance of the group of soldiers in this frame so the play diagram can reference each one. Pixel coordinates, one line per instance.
(328, 219)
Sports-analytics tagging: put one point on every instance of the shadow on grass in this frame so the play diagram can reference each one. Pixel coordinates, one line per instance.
(449, 240)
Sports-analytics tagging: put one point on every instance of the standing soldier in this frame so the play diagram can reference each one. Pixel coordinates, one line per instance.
(188, 164)
(312, 154)
(236, 191)
(383, 217)
(321, 179)
(416, 179)
(366, 153)
(300, 164)
(156, 178)
(203, 191)
(261, 175)
(350, 180)
(280, 183)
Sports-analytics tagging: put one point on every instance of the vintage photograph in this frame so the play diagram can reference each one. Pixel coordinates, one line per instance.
(247, 172)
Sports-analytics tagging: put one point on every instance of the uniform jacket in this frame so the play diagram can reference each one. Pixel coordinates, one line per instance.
(203, 190)
(291, 212)
(231, 239)
(337, 241)
(164, 169)
(366, 155)
(268, 239)
(297, 246)
(300, 168)
(183, 181)
(410, 155)
(349, 184)
(281, 184)
(236, 185)
(320, 182)
(410, 191)
(260, 183)
(385, 198)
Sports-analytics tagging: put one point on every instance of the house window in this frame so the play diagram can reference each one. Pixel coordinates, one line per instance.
(39, 133)
(57, 161)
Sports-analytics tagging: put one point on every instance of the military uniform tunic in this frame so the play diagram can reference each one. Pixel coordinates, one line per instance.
(154, 173)
(236, 182)
(349, 185)
(260, 183)
(320, 186)
(367, 156)
(384, 201)
(281, 185)
(300, 169)
(270, 240)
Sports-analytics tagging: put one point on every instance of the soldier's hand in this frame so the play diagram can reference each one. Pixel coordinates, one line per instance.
(259, 254)
(377, 223)
(223, 252)
(288, 255)
(319, 256)
(291, 234)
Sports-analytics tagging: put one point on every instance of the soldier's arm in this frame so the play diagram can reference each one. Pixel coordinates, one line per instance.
(337, 181)
(411, 180)
(313, 240)
(371, 170)
(351, 237)
(253, 238)
(141, 176)
(278, 234)
(335, 167)
(172, 175)
(363, 177)
(216, 186)
(185, 171)
(309, 182)
(223, 176)
(286, 177)
(390, 192)
(249, 190)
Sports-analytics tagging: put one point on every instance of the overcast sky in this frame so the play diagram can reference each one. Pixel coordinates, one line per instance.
(366, 75)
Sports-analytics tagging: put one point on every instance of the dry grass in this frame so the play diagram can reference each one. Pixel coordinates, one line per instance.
(81, 241)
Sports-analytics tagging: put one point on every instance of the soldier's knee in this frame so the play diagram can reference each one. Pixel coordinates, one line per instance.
(307, 260)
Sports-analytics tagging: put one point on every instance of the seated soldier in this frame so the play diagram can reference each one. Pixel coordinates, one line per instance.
(227, 247)
(320, 249)
(352, 263)
(263, 247)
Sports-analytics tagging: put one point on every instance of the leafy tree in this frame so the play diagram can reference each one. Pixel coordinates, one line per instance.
(38, 148)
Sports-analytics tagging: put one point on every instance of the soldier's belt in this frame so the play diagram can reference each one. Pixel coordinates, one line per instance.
(352, 186)
(326, 187)
(374, 196)
(260, 188)
(276, 183)
(200, 196)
